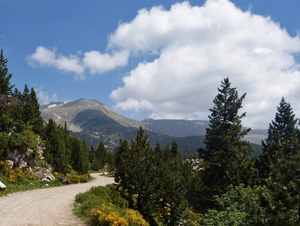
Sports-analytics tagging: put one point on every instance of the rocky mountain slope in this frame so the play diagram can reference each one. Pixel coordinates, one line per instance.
(82, 114)
(95, 122)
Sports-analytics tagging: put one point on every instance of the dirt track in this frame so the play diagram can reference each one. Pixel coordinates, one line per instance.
(50, 206)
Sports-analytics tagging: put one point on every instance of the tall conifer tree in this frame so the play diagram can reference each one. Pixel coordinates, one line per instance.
(282, 137)
(280, 159)
(5, 76)
(226, 155)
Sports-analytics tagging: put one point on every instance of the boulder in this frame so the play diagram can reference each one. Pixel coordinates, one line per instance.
(49, 176)
(14, 156)
(64, 180)
(22, 164)
(2, 186)
(29, 152)
(45, 179)
(10, 163)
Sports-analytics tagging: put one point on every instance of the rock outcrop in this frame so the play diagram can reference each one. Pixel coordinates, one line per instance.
(22, 159)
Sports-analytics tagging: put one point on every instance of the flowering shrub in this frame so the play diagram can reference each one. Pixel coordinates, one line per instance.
(16, 174)
(105, 206)
(109, 215)
(191, 218)
(73, 177)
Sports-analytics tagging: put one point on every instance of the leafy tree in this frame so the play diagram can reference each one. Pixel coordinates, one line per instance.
(226, 155)
(256, 205)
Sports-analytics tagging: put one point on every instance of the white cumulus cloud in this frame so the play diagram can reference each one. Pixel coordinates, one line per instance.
(46, 57)
(44, 98)
(196, 48)
(95, 61)
(100, 63)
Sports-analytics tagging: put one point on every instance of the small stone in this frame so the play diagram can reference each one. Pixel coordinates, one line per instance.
(45, 179)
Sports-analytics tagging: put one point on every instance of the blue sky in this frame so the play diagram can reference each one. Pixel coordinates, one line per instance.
(158, 59)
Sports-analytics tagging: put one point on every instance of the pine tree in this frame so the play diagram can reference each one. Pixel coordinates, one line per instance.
(173, 188)
(167, 153)
(282, 137)
(35, 115)
(280, 159)
(5, 76)
(137, 173)
(84, 158)
(101, 154)
(174, 148)
(56, 147)
(226, 155)
(7, 102)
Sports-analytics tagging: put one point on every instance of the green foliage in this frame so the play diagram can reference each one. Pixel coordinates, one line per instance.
(4, 146)
(63, 151)
(282, 137)
(105, 206)
(172, 190)
(154, 180)
(110, 161)
(249, 206)
(99, 157)
(226, 156)
(139, 173)
(5, 76)
(25, 184)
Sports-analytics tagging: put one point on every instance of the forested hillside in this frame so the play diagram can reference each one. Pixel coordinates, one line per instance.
(27, 142)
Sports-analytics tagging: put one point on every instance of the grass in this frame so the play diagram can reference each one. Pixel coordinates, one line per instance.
(105, 206)
(25, 185)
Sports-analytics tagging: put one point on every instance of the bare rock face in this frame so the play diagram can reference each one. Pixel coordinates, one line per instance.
(21, 159)
(43, 174)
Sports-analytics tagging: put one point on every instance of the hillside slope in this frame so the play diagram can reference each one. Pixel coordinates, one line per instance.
(93, 121)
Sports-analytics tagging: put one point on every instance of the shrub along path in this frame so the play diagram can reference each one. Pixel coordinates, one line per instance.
(49, 206)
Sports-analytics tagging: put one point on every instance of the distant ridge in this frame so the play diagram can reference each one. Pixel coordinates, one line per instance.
(93, 121)
(88, 110)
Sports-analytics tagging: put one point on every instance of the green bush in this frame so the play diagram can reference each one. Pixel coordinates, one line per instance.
(105, 206)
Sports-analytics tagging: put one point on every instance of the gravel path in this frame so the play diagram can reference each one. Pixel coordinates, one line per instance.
(45, 207)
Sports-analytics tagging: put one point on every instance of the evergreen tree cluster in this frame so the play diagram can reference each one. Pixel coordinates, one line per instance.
(21, 123)
(98, 157)
(64, 152)
(153, 180)
(228, 187)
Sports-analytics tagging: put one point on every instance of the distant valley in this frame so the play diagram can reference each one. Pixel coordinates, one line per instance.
(93, 121)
